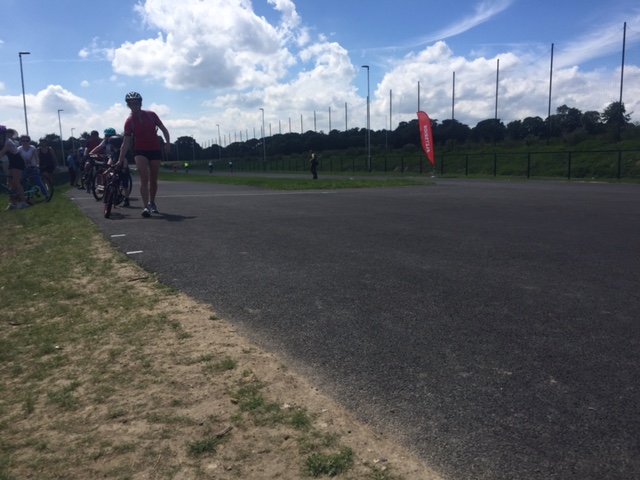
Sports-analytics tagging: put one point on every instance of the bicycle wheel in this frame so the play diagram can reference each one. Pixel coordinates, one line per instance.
(109, 199)
(99, 183)
(87, 182)
(129, 180)
(37, 189)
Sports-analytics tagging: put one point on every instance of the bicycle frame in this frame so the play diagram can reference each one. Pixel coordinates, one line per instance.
(113, 190)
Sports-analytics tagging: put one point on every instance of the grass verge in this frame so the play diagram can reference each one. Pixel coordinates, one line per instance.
(107, 373)
(275, 183)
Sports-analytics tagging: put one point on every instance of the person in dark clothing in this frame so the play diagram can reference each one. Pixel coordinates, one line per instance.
(314, 164)
(48, 160)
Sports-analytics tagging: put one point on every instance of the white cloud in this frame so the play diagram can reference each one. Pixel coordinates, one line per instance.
(484, 11)
(523, 87)
(210, 44)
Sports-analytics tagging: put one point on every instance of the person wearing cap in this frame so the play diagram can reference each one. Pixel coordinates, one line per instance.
(141, 134)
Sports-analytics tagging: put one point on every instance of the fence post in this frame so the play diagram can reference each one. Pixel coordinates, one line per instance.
(569, 167)
(442, 165)
(528, 165)
(619, 164)
(466, 164)
(495, 164)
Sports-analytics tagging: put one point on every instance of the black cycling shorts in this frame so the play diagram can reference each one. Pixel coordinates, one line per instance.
(149, 154)
(16, 162)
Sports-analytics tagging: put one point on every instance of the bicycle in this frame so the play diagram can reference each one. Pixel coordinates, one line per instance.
(37, 189)
(97, 176)
(114, 191)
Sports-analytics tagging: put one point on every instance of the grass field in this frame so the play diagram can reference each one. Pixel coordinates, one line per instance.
(274, 183)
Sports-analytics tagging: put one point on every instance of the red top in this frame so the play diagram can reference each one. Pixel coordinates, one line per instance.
(93, 143)
(143, 127)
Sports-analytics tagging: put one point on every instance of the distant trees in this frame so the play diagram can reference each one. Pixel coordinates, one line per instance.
(567, 123)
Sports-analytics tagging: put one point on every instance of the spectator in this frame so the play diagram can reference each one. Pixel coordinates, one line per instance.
(48, 160)
(72, 164)
(29, 154)
(314, 164)
(15, 163)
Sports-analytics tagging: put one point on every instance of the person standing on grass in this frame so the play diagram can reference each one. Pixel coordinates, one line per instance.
(29, 154)
(314, 164)
(48, 160)
(72, 165)
(15, 163)
(141, 127)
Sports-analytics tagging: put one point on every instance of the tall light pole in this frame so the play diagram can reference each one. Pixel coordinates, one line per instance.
(219, 147)
(61, 144)
(368, 122)
(264, 147)
(73, 143)
(24, 100)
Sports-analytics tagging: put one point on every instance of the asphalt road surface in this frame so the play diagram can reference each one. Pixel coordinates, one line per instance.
(493, 327)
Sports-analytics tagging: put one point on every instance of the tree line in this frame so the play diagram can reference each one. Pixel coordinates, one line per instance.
(567, 123)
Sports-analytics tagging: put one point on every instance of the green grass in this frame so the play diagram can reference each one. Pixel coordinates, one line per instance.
(205, 446)
(320, 464)
(290, 184)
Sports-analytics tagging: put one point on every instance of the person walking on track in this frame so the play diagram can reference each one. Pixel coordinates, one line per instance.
(141, 128)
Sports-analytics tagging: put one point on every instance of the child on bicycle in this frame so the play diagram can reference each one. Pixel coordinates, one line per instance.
(111, 145)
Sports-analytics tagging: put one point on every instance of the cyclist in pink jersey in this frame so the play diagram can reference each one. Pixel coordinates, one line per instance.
(141, 127)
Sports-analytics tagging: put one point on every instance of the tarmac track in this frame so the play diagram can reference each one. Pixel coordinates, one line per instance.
(492, 327)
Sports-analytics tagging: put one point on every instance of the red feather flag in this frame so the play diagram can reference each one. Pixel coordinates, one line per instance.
(426, 136)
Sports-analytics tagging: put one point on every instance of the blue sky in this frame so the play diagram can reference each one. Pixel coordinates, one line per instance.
(210, 65)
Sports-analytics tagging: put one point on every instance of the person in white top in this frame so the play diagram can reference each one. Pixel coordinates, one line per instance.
(15, 162)
(29, 154)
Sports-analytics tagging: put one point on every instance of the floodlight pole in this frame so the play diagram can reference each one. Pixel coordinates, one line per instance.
(62, 160)
(368, 121)
(24, 100)
(264, 148)
(219, 147)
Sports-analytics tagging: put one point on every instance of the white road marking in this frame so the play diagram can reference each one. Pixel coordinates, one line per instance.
(119, 235)
(134, 252)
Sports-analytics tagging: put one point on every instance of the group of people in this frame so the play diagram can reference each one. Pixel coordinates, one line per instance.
(140, 141)
(19, 157)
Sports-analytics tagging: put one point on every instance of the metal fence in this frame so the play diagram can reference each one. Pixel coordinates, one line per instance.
(606, 164)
